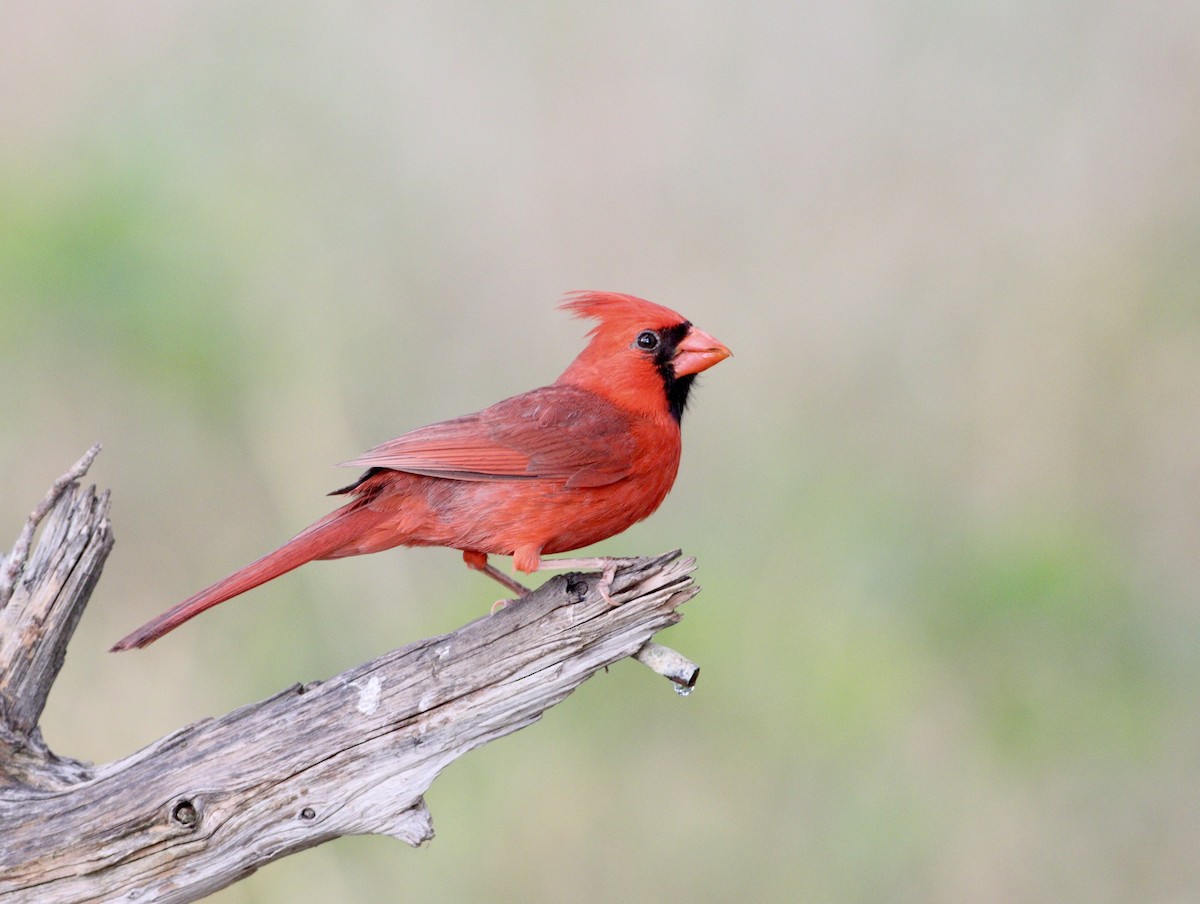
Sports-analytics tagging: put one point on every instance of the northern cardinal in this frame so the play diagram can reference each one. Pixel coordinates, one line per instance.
(547, 471)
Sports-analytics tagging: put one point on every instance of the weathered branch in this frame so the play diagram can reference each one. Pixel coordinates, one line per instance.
(15, 562)
(46, 596)
(209, 804)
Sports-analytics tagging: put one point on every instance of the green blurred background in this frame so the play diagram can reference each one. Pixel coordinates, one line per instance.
(945, 498)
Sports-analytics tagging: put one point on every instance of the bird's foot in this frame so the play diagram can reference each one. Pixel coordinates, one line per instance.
(608, 566)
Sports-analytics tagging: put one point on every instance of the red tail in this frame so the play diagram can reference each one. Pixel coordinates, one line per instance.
(314, 542)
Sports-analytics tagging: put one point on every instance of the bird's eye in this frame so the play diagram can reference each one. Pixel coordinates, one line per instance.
(648, 340)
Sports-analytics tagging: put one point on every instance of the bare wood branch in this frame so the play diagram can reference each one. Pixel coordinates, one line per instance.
(207, 805)
(49, 595)
(669, 664)
(15, 562)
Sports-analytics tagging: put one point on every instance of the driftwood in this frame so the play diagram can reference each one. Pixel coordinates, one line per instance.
(207, 805)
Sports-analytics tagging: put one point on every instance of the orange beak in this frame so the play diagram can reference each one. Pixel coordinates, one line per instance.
(698, 351)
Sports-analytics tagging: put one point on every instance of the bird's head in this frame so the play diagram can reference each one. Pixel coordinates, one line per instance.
(641, 355)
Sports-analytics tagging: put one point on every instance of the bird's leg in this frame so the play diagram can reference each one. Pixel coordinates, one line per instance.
(608, 570)
(479, 562)
(511, 583)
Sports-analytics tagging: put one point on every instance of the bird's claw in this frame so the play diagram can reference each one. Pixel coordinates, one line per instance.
(607, 576)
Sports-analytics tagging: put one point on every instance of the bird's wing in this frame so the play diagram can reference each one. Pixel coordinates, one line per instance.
(556, 432)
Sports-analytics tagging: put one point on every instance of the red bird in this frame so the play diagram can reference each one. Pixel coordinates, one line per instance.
(547, 471)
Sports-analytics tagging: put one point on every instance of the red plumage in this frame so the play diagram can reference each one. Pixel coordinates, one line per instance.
(546, 471)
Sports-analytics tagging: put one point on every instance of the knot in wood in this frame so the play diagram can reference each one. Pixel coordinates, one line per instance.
(185, 813)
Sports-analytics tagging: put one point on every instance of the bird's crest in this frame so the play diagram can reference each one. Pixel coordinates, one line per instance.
(614, 309)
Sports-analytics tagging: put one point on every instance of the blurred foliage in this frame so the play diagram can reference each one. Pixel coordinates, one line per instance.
(103, 257)
(944, 497)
